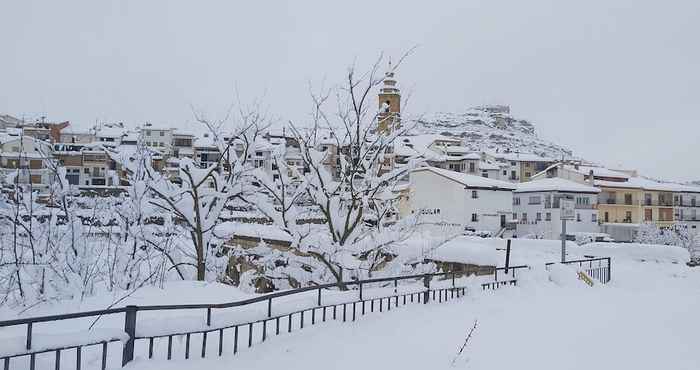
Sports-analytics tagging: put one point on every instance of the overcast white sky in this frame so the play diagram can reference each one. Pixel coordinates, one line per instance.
(616, 81)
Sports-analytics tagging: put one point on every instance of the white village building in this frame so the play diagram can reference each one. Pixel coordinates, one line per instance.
(460, 201)
(536, 208)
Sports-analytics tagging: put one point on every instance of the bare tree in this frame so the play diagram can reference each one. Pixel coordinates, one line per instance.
(198, 196)
(347, 174)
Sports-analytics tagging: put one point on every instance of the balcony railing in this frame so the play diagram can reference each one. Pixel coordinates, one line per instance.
(658, 203)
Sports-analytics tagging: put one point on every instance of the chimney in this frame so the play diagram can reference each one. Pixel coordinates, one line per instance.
(591, 180)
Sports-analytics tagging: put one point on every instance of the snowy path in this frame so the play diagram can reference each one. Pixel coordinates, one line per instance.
(647, 320)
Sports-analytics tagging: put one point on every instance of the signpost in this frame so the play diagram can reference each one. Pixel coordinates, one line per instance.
(567, 212)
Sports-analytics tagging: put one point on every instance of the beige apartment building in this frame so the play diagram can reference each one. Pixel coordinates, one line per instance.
(636, 201)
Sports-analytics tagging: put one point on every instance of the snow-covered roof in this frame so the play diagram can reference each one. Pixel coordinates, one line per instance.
(466, 251)
(484, 165)
(462, 150)
(598, 171)
(555, 184)
(419, 145)
(639, 183)
(468, 180)
(204, 141)
(231, 229)
(521, 157)
(4, 137)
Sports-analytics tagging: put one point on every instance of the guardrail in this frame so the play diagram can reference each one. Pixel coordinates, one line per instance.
(130, 335)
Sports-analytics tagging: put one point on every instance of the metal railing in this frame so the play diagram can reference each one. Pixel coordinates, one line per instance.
(294, 318)
(596, 268)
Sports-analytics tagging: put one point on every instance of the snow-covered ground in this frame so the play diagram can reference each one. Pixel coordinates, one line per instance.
(646, 318)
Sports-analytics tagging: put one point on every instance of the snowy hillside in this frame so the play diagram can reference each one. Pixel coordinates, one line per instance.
(489, 128)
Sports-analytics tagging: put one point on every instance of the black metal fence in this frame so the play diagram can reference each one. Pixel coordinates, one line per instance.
(230, 336)
(596, 268)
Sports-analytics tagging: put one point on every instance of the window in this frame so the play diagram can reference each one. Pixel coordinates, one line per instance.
(524, 217)
(86, 170)
(485, 174)
(538, 217)
(515, 216)
(535, 200)
(628, 216)
(513, 176)
(583, 201)
(527, 174)
(548, 216)
(472, 167)
(578, 217)
(648, 215)
(162, 133)
(516, 201)
(475, 195)
(475, 217)
(594, 218)
(647, 199)
(512, 163)
(148, 132)
(505, 173)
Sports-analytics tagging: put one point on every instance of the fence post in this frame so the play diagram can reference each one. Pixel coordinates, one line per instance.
(29, 336)
(130, 329)
(319, 296)
(426, 284)
(507, 255)
(269, 307)
(609, 270)
(361, 292)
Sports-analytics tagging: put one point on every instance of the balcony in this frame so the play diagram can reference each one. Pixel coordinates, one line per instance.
(657, 203)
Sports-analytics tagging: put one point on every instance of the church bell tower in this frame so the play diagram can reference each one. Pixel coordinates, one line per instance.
(389, 117)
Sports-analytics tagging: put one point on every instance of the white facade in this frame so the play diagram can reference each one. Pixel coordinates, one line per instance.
(536, 208)
(159, 139)
(26, 157)
(459, 200)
